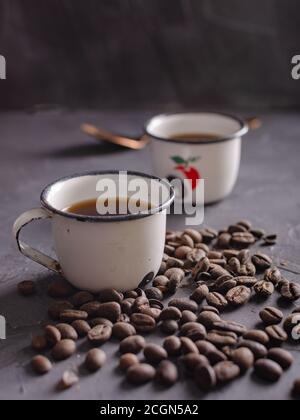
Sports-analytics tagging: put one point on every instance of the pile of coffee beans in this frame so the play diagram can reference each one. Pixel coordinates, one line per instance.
(224, 275)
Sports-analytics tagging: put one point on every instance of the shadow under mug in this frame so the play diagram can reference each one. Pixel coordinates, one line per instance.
(99, 252)
(216, 161)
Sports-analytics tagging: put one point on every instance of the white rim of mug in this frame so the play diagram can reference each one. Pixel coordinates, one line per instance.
(107, 218)
(244, 128)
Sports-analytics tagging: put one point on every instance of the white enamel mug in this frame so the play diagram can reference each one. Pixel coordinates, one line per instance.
(99, 252)
(215, 161)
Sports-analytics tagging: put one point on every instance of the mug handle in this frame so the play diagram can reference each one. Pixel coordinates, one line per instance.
(31, 253)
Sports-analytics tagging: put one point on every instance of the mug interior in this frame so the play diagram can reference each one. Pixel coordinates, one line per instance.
(68, 191)
(163, 127)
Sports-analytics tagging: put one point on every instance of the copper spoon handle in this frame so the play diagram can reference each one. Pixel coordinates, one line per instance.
(254, 123)
(104, 135)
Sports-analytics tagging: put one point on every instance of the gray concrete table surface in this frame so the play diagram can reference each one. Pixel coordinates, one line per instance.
(39, 148)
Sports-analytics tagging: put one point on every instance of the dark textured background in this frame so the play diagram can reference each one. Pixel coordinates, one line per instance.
(141, 53)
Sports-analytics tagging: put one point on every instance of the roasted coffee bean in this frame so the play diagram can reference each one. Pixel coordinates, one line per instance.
(268, 370)
(258, 233)
(110, 295)
(182, 251)
(200, 293)
(264, 288)
(270, 240)
(248, 281)
(67, 331)
(27, 288)
(262, 261)
(140, 374)
(81, 327)
(243, 357)
(127, 360)
(203, 277)
(123, 318)
(273, 275)
(191, 361)
(234, 265)
(91, 308)
(166, 373)
(122, 330)
(193, 257)
(169, 250)
(81, 298)
(276, 334)
(230, 326)
(237, 229)
(194, 331)
(242, 240)
(188, 346)
(186, 240)
(224, 241)
(227, 371)
(217, 300)
(282, 357)
(39, 343)
(41, 365)
(271, 316)
(99, 334)
(169, 326)
(52, 335)
(70, 315)
(60, 289)
(162, 268)
(216, 357)
(290, 291)
(215, 255)
(161, 281)
(127, 305)
(208, 319)
(238, 296)
(206, 308)
(258, 349)
(56, 308)
(143, 323)
(188, 316)
(63, 349)
(175, 274)
(170, 313)
(194, 234)
(95, 360)
(244, 256)
(154, 353)
(184, 304)
(109, 310)
(68, 380)
(208, 235)
(205, 377)
(205, 347)
(283, 282)
(216, 271)
(296, 388)
(172, 345)
(230, 253)
(152, 312)
(222, 338)
(258, 336)
(291, 322)
(245, 223)
(201, 267)
(133, 344)
(224, 284)
(222, 262)
(175, 263)
(100, 321)
(296, 311)
(154, 293)
(202, 246)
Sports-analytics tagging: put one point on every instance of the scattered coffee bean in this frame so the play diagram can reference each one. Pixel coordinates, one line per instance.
(91, 308)
(222, 338)
(81, 298)
(70, 315)
(110, 295)
(109, 310)
(68, 380)
(170, 313)
(188, 316)
(143, 323)
(230, 326)
(192, 360)
(224, 284)
(27, 288)
(290, 291)
(188, 346)
(194, 331)
(133, 344)
(127, 360)
(95, 360)
(122, 330)
(100, 321)
(154, 293)
(217, 300)
(169, 326)
(296, 388)
(258, 336)
(259, 350)
(216, 357)
(176, 274)
(258, 233)
(184, 304)
(204, 347)
(271, 316)
(154, 353)
(172, 345)
(227, 371)
(223, 241)
(206, 378)
(270, 240)
(81, 327)
(167, 373)
(41, 365)
(242, 240)
(182, 251)
(52, 335)
(262, 261)
(282, 357)
(243, 357)
(60, 289)
(141, 373)
(200, 293)
(209, 309)
(248, 281)
(264, 288)
(67, 332)
(56, 308)
(268, 370)
(208, 319)
(273, 275)
(99, 334)
(277, 334)
(291, 322)
(238, 296)
(194, 234)
(39, 343)
(63, 349)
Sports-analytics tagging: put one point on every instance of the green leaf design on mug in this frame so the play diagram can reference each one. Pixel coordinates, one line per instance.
(179, 160)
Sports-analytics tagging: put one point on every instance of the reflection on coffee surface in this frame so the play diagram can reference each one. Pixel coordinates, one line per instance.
(108, 207)
(195, 137)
